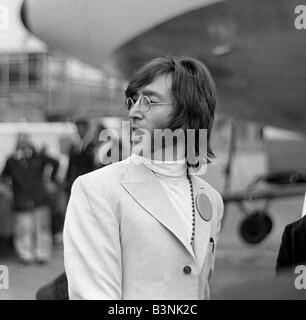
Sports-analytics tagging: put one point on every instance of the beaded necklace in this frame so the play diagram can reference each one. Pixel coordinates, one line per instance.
(193, 210)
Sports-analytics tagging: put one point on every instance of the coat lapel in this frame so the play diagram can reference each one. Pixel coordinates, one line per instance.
(147, 191)
(202, 227)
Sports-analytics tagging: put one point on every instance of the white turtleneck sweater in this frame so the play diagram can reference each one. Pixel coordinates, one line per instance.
(173, 177)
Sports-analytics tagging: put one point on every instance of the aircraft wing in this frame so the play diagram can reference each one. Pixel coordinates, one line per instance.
(255, 54)
(268, 193)
(93, 29)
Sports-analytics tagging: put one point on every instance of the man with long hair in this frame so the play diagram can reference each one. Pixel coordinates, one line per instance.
(147, 227)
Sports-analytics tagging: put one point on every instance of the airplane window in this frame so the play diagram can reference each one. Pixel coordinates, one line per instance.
(21, 72)
(14, 73)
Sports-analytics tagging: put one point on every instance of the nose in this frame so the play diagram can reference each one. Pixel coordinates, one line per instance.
(135, 111)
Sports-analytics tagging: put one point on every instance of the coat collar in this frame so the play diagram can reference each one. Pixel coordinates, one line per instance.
(202, 227)
(148, 192)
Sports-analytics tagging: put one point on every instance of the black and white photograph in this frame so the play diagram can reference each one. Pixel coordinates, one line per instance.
(152, 150)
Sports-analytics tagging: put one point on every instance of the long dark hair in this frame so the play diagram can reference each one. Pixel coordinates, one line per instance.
(193, 91)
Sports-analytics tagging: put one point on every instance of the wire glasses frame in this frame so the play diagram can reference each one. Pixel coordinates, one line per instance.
(145, 103)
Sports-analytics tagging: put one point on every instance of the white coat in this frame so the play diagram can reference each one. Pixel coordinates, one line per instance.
(122, 238)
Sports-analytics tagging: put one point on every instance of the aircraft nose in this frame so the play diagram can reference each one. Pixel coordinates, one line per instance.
(24, 15)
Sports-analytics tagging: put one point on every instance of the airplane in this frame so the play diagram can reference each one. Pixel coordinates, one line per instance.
(252, 48)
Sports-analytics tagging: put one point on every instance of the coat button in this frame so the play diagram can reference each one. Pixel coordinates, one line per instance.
(187, 270)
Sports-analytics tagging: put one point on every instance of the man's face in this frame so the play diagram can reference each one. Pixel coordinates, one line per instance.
(159, 116)
(25, 145)
(24, 142)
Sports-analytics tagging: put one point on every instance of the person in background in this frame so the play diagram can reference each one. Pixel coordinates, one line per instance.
(81, 155)
(57, 289)
(24, 171)
(81, 159)
(5, 218)
(292, 251)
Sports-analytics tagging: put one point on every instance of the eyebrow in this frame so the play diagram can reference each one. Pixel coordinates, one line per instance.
(153, 93)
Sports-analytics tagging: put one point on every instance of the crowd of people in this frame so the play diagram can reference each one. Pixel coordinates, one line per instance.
(33, 199)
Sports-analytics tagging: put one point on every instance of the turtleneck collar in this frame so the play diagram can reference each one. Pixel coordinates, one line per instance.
(169, 169)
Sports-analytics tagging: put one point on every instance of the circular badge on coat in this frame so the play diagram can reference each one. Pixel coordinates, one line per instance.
(204, 206)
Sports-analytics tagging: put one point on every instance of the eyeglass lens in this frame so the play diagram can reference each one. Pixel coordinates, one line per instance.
(144, 103)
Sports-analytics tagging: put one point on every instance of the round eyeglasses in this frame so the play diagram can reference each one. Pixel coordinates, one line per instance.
(145, 103)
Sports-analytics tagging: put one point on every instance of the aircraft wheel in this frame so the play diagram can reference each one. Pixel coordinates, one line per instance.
(256, 227)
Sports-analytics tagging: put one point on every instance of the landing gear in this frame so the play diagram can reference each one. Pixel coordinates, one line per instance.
(256, 226)
(257, 223)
